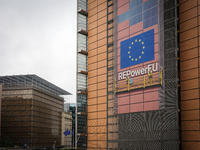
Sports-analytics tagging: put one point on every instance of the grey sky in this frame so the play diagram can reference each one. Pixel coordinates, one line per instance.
(39, 37)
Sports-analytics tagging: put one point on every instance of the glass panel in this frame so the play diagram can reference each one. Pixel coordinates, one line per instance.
(82, 42)
(82, 22)
(82, 4)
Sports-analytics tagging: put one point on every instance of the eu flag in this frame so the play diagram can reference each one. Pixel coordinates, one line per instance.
(137, 49)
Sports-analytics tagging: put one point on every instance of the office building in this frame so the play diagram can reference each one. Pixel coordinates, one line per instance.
(71, 107)
(31, 111)
(138, 74)
(66, 133)
(66, 107)
(0, 105)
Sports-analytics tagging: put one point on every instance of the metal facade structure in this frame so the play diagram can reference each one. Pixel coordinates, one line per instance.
(31, 111)
(189, 72)
(112, 117)
(150, 118)
(31, 80)
(147, 101)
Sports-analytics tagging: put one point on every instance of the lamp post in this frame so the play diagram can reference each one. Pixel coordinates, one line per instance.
(54, 145)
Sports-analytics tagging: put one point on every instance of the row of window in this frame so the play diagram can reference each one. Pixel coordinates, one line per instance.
(149, 17)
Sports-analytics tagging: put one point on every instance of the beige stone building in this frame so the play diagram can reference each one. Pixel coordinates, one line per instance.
(66, 134)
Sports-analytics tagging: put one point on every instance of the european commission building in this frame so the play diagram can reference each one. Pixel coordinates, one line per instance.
(138, 74)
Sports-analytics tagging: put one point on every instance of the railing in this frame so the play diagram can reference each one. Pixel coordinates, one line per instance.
(147, 80)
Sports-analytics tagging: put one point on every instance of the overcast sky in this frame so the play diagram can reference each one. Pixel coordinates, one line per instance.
(39, 37)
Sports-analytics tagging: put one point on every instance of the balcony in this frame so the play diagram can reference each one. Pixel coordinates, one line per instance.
(83, 72)
(83, 12)
(83, 32)
(83, 52)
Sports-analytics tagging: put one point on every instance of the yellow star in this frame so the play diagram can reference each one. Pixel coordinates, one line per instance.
(132, 43)
(132, 59)
(129, 56)
(142, 42)
(139, 40)
(143, 47)
(129, 47)
(136, 40)
(135, 59)
(128, 52)
(142, 52)
(139, 56)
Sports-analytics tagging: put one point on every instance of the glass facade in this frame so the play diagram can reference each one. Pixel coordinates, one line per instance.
(72, 109)
(82, 72)
(31, 117)
(31, 111)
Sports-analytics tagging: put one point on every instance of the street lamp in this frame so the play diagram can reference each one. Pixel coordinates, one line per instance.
(54, 145)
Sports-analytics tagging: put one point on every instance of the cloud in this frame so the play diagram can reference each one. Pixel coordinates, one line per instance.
(39, 37)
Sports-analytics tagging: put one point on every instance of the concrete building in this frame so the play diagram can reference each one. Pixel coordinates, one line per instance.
(66, 136)
(71, 107)
(138, 74)
(0, 107)
(31, 111)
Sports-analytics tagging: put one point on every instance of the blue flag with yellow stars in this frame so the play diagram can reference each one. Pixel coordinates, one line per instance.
(137, 49)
